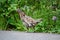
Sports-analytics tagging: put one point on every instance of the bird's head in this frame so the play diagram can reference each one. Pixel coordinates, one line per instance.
(20, 12)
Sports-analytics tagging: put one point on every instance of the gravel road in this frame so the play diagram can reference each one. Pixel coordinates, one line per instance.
(15, 35)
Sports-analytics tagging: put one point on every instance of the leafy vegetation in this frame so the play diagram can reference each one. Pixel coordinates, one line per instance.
(46, 9)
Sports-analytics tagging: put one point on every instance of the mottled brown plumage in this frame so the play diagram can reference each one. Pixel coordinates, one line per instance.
(27, 21)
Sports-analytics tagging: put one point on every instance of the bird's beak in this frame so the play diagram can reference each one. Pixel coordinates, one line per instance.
(18, 10)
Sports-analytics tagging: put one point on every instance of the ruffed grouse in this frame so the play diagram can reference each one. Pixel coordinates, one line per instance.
(28, 21)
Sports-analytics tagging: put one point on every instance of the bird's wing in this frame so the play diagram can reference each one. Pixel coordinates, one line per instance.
(30, 19)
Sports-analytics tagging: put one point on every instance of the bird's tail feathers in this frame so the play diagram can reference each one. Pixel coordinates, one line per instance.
(39, 20)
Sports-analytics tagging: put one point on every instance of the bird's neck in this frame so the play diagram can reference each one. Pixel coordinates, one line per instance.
(22, 15)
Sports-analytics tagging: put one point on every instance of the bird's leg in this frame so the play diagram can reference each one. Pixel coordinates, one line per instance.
(33, 28)
(27, 28)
